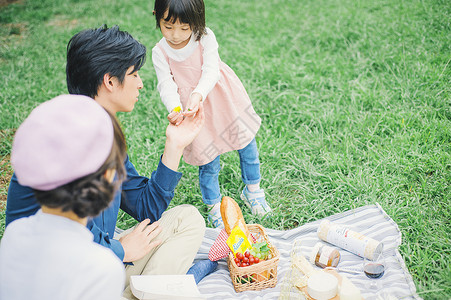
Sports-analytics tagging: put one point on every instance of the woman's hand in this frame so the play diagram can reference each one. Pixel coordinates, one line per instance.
(175, 117)
(193, 105)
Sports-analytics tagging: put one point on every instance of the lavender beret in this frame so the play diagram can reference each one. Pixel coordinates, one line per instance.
(62, 140)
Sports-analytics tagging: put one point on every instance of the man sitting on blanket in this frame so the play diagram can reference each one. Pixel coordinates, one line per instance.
(103, 64)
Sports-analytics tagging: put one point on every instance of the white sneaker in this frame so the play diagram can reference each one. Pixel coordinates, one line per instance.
(256, 202)
(214, 217)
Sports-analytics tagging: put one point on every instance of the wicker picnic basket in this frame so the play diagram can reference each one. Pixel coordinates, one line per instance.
(258, 276)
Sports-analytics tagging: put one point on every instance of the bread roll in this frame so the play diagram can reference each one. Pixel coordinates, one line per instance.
(232, 216)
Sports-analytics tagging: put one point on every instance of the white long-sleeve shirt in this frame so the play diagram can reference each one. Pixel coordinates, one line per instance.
(50, 257)
(210, 68)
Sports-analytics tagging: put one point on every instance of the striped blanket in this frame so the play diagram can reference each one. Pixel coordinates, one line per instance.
(370, 220)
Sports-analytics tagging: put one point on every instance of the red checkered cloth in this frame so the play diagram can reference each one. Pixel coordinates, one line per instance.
(220, 249)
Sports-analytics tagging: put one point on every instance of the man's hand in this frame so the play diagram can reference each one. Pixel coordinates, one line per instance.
(141, 240)
(193, 105)
(178, 137)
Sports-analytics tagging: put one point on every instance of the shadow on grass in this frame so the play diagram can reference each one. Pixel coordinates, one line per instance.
(7, 2)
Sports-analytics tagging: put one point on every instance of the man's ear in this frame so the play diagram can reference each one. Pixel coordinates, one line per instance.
(108, 82)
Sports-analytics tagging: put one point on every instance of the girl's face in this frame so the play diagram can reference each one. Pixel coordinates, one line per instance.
(176, 34)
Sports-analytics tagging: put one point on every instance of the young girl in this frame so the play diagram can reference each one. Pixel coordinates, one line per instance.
(189, 71)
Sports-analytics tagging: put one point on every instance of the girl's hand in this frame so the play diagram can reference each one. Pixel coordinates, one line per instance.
(175, 117)
(193, 105)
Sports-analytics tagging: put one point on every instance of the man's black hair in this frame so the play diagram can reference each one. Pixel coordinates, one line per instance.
(92, 53)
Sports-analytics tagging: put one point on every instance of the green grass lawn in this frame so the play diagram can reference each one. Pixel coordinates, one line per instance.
(354, 98)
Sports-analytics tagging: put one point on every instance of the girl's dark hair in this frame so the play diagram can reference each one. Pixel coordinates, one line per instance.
(92, 53)
(191, 12)
(89, 195)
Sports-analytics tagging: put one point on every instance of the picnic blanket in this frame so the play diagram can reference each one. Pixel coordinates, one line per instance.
(370, 220)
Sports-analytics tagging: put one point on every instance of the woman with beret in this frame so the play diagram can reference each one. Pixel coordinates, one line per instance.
(68, 151)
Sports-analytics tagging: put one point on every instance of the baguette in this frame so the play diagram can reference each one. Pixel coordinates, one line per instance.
(232, 216)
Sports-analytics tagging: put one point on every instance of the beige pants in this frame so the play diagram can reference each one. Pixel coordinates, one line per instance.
(183, 229)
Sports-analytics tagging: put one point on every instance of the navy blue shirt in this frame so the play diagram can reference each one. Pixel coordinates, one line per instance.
(139, 196)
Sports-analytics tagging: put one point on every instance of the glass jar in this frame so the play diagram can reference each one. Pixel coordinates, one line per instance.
(324, 256)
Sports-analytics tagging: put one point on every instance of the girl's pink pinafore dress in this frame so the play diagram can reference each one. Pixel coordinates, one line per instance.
(230, 120)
